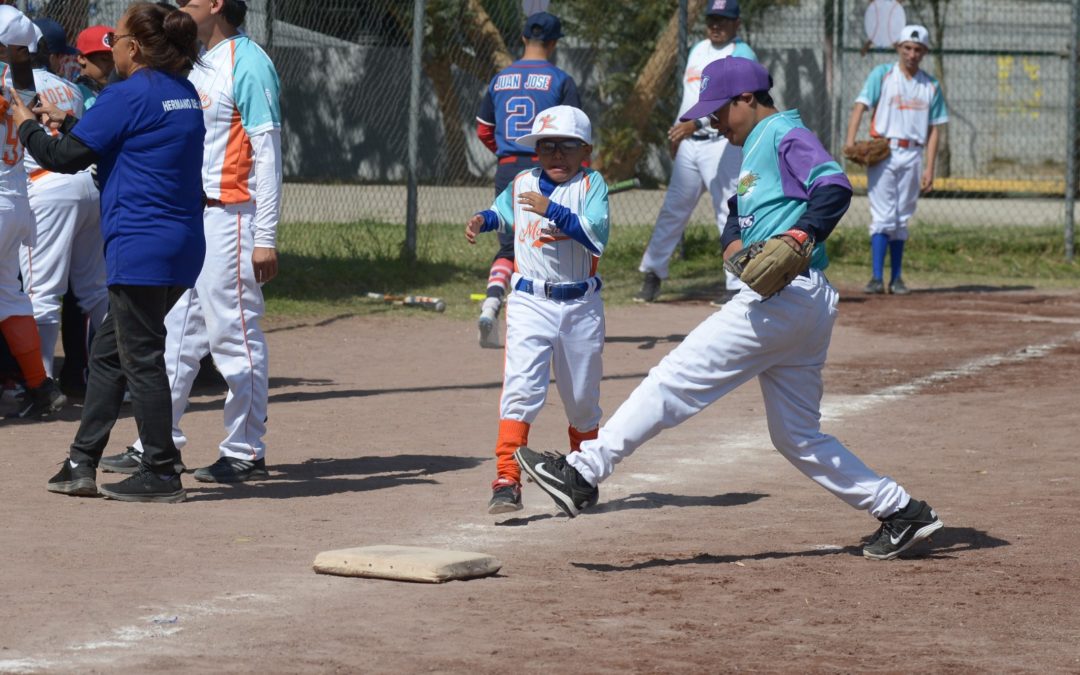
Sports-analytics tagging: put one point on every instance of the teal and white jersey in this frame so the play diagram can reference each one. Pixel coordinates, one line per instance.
(904, 107)
(783, 163)
(239, 91)
(567, 246)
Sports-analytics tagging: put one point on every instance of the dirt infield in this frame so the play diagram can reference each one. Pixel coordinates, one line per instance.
(708, 551)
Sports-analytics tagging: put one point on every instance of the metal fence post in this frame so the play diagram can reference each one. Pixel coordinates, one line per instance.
(1071, 135)
(411, 202)
(270, 24)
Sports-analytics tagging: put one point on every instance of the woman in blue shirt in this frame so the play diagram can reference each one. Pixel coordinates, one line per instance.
(145, 133)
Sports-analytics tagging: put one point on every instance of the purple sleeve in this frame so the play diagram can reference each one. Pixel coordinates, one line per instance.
(805, 165)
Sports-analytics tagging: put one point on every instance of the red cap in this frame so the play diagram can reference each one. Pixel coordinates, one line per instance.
(92, 40)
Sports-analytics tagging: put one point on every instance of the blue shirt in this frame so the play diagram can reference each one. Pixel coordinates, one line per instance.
(147, 132)
(516, 94)
(783, 163)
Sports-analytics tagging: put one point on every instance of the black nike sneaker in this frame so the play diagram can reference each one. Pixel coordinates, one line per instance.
(562, 482)
(902, 530)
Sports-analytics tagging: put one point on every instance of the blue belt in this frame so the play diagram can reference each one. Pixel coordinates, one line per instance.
(568, 291)
(703, 137)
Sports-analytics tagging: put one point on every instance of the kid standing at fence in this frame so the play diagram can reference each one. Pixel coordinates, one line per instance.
(558, 215)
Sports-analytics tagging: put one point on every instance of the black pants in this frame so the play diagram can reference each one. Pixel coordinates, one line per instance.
(130, 348)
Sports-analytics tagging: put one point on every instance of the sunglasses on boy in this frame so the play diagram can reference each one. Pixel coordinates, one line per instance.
(564, 146)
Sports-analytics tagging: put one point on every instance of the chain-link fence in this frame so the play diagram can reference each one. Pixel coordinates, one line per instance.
(345, 67)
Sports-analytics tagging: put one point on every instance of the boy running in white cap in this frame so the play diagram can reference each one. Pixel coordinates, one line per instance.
(558, 215)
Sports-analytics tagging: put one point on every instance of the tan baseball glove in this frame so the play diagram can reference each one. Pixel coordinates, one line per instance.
(868, 153)
(769, 266)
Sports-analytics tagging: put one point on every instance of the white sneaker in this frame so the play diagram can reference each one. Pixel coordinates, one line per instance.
(489, 324)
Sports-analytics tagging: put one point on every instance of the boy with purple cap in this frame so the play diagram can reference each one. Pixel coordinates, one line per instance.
(909, 110)
(512, 100)
(789, 187)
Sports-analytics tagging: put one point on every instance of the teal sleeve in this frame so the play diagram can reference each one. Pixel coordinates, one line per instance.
(744, 51)
(939, 114)
(871, 91)
(504, 208)
(596, 220)
(256, 90)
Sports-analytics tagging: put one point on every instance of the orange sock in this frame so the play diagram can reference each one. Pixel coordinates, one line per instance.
(512, 433)
(576, 437)
(25, 345)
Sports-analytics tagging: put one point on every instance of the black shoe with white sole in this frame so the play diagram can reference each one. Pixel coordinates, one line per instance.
(562, 482)
(77, 481)
(41, 401)
(146, 486)
(902, 530)
(232, 470)
(126, 462)
(505, 496)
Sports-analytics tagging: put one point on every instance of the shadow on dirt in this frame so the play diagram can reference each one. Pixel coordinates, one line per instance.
(321, 477)
(943, 545)
(645, 341)
(647, 500)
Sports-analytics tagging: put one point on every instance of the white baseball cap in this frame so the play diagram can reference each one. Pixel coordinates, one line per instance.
(562, 121)
(17, 29)
(915, 33)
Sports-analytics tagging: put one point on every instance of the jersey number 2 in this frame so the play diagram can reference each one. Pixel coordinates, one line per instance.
(520, 111)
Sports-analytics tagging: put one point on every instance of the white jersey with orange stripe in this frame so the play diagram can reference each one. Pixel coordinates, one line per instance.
(12, 171)
(62, 94)
(240, 91)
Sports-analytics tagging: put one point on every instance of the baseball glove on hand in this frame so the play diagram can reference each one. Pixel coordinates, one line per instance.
(868, 153)
(768, 266)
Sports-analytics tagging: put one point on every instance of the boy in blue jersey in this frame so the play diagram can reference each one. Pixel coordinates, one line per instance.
(789, 186)
(512, 100)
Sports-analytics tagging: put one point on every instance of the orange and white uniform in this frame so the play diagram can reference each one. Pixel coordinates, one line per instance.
(239, 89)
(69, 245)
(16, 219)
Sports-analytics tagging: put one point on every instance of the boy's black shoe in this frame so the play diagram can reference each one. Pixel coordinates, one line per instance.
(146, 486)
(875, 287)
(40, 401)
(77, 481)
(127, 461)
(555, 476)
(232, 470)
(902, 530)
(505, 496)
(650, 288)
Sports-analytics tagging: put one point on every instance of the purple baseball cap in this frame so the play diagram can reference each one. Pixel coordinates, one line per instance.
(723, 80)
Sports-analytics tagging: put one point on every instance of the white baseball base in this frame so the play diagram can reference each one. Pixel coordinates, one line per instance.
(406, 563)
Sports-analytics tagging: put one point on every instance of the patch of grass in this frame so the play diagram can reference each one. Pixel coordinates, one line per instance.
(326, 269)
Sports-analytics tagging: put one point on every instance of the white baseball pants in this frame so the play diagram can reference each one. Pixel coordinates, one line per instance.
(893, 188)
(567, 336)
(220, 317)
(16, 229)
(783, 342)
(711, 165)
(68, 246)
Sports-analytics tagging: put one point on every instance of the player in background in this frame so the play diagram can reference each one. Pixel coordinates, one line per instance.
(17, 36)
(67, 211)
(510, 104)
(558, 216)
(704, 160)
(242, 180)
(789, 186)
(95, 61)
(909, 110)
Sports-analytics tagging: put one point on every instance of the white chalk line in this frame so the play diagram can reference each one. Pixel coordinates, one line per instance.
(164, 623)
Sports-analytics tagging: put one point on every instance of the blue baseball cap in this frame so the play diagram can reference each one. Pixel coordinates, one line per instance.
(55, 37)
(724, 79)
(542, 26)
(728, 9)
